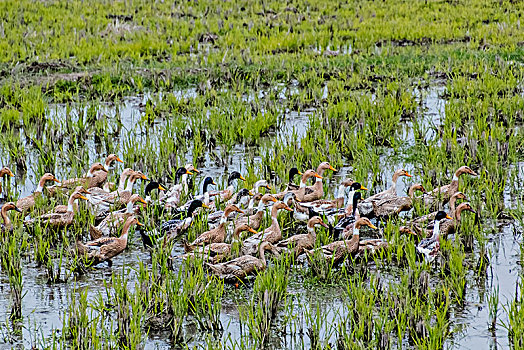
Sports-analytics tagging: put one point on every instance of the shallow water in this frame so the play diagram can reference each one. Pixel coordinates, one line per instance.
(44, 304)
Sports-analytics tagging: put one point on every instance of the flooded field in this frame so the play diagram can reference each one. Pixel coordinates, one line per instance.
(260, 88)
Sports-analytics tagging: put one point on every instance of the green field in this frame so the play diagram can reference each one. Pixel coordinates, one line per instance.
(260, 87)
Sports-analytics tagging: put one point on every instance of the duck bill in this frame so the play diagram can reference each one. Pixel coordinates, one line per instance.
(268, 187)
(324, 224)
(18, 209)
(449, 217)
(56, 180)
(161, 188)
(472, 210)
(141, 200)
(213, 183)
(240, 211)
(317, 176)
(298, 200)
(139, 223)
(83, 197)
(10, 173)
(188, 172)
(300, 173)
(252, 230)
(119, 160)
(242, 178)
(205, 206)
(143, 177)
(408, 174)
(250, 193)
(196, 170)
(373, 227)
(331, 168)
(273, 199)
(288, 208)
(471, 172)
(363, 188)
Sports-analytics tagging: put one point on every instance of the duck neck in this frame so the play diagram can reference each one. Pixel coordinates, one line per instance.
(356, 231)
(41, 185)
(436, 230)
(458, 214)
(311, 231)
(129, 207)
(251, 203)
(122, 181)
(452, 206)
(349, 200)
(5, 217)
(261, 205)
(411, 192)
(130, 184)
(71, 205)
(261, 253)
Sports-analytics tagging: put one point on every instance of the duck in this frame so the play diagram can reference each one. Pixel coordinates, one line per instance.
(297, 244)
(429, 247)
(392, 191)
(7, 226)
(114, 220)
(316, 191)
(427, 220)
(243, 199)
(172, 197)
(394, 205)
(242, 266)
(300, 213)
(91, 179)
(106, 248)
(442, 194)
(4, 172)
(117, 198)
(258, 185)
(291, 184)
(172, 228)
(205, 197)
(350, 214)
(216, 252)
(61, 208)
(151, 186)
(187, 182)
(324, 205)
(27, 203)
(301, 192)
(226, 194)
(334, 252)
(447, 227)
(272, 234)
(58, 220)
(99, 178)
(255, 198)
(255, 220)
(218, 234)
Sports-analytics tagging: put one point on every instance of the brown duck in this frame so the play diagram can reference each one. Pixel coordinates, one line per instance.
(115, 220)
(336, 251)
(59, 220)
(216, 252)
(218, 234)
(394, 205)
(242, 266)
(272, 234)
(106, 248)
(27, 203)
(301, 192)
(443, 194)
(6, 225)
(315, 192)
(88, 180)
(255, 220)
(297, 244)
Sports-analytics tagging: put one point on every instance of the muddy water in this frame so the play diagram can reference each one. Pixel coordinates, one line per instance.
(44, 304)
